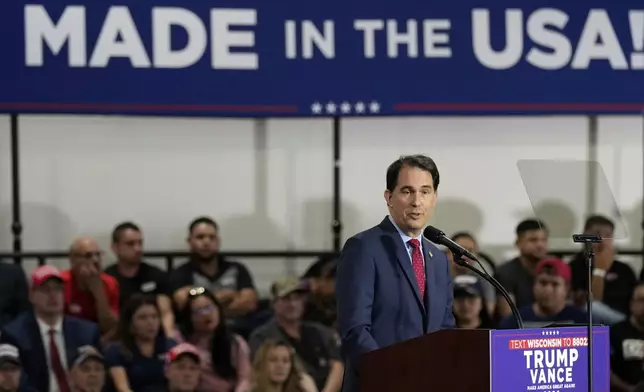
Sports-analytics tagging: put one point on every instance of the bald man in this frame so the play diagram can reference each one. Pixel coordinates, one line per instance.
(91, 294)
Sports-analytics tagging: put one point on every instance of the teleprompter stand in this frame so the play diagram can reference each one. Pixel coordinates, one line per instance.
(589, 255)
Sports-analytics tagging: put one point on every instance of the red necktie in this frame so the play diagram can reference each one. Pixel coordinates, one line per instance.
(56, 364)
(417, 264)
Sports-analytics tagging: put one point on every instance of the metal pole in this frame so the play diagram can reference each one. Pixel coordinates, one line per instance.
(337, 199)
(16, 224)
(591, 190)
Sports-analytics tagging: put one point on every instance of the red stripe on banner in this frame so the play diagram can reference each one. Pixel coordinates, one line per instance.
(611, 107)
(147, 107)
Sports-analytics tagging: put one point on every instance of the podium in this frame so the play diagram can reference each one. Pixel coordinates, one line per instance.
(542, 360)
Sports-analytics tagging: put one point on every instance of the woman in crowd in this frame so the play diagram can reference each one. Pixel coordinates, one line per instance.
(276, 370)
(225, 357)
(469, 309)
(136, 360)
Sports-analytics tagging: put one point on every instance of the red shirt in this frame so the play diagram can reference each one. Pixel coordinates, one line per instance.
(81, 303)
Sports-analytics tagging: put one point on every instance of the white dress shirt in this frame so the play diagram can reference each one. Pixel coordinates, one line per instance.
(60, 344)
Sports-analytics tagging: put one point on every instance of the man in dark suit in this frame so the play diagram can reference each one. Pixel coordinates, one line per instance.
(392, 284)
(46, 338)
(14, 292)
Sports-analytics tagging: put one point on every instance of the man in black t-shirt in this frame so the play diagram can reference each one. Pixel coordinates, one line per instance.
(230, 281)
(136, 276)
(613, 281)
(321, 303)
(517, 275)
(316, 346)
(627, 346)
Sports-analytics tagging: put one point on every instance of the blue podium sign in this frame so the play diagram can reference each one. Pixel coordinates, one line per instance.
(322, 58)
(548, 360)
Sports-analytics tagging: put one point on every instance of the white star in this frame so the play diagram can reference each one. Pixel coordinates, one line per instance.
(345, 107)
(330, 107)
(374, 107)
(316, 108)
(360, 107)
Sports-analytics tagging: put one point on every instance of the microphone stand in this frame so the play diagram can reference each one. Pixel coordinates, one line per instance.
(458, 259)
(589, 254)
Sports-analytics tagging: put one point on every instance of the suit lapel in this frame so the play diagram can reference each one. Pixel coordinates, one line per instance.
(70, 341)
(432, 281)
(402, 255)
(37, 354)
(36, 339)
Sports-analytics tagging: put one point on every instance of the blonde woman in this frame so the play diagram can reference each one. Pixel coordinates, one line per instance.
(276, 370)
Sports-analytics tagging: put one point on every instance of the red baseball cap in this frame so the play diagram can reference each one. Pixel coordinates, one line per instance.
(180, 350)
(558, 266)
(42, 274)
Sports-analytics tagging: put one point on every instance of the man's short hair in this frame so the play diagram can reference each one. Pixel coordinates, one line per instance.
(462, 234)
(419, 161)
(121, 227)
(202, 220)
(530, 225)
(598, 220)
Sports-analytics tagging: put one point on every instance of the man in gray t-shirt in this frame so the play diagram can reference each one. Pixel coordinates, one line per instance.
(517, 275)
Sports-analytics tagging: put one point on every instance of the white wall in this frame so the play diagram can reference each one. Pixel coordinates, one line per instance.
(620, 155)
(270, 184)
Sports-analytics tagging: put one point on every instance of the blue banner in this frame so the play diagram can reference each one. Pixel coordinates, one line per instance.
(548, 360)
(322, 58)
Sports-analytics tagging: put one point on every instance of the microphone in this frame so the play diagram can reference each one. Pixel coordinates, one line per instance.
(438, 237)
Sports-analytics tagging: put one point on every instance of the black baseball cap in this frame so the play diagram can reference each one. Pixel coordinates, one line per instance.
(467, 286)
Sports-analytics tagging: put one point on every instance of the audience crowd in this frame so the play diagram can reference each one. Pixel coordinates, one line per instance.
(202, 327)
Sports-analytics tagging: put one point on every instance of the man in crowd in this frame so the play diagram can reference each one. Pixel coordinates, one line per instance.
(551, 288)
(230, 281)
(320, 303)
(91, 294)
(627, 346)
(10, 369)
(316, 346)
(613, 281)
(517, 275)
(135, 275)
(468, 242)
(469, 305)
(46, 337)
(87, 370)
(183, 368)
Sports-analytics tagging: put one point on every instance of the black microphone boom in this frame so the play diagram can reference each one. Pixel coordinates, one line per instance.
(438, 237)
(432, 233)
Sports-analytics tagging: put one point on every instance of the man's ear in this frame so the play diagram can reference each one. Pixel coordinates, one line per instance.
(387, 196)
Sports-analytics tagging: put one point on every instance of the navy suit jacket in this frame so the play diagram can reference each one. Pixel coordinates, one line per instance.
(379, 302)
(23, 332)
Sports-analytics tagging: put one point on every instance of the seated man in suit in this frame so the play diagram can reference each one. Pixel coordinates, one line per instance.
(46, 338)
